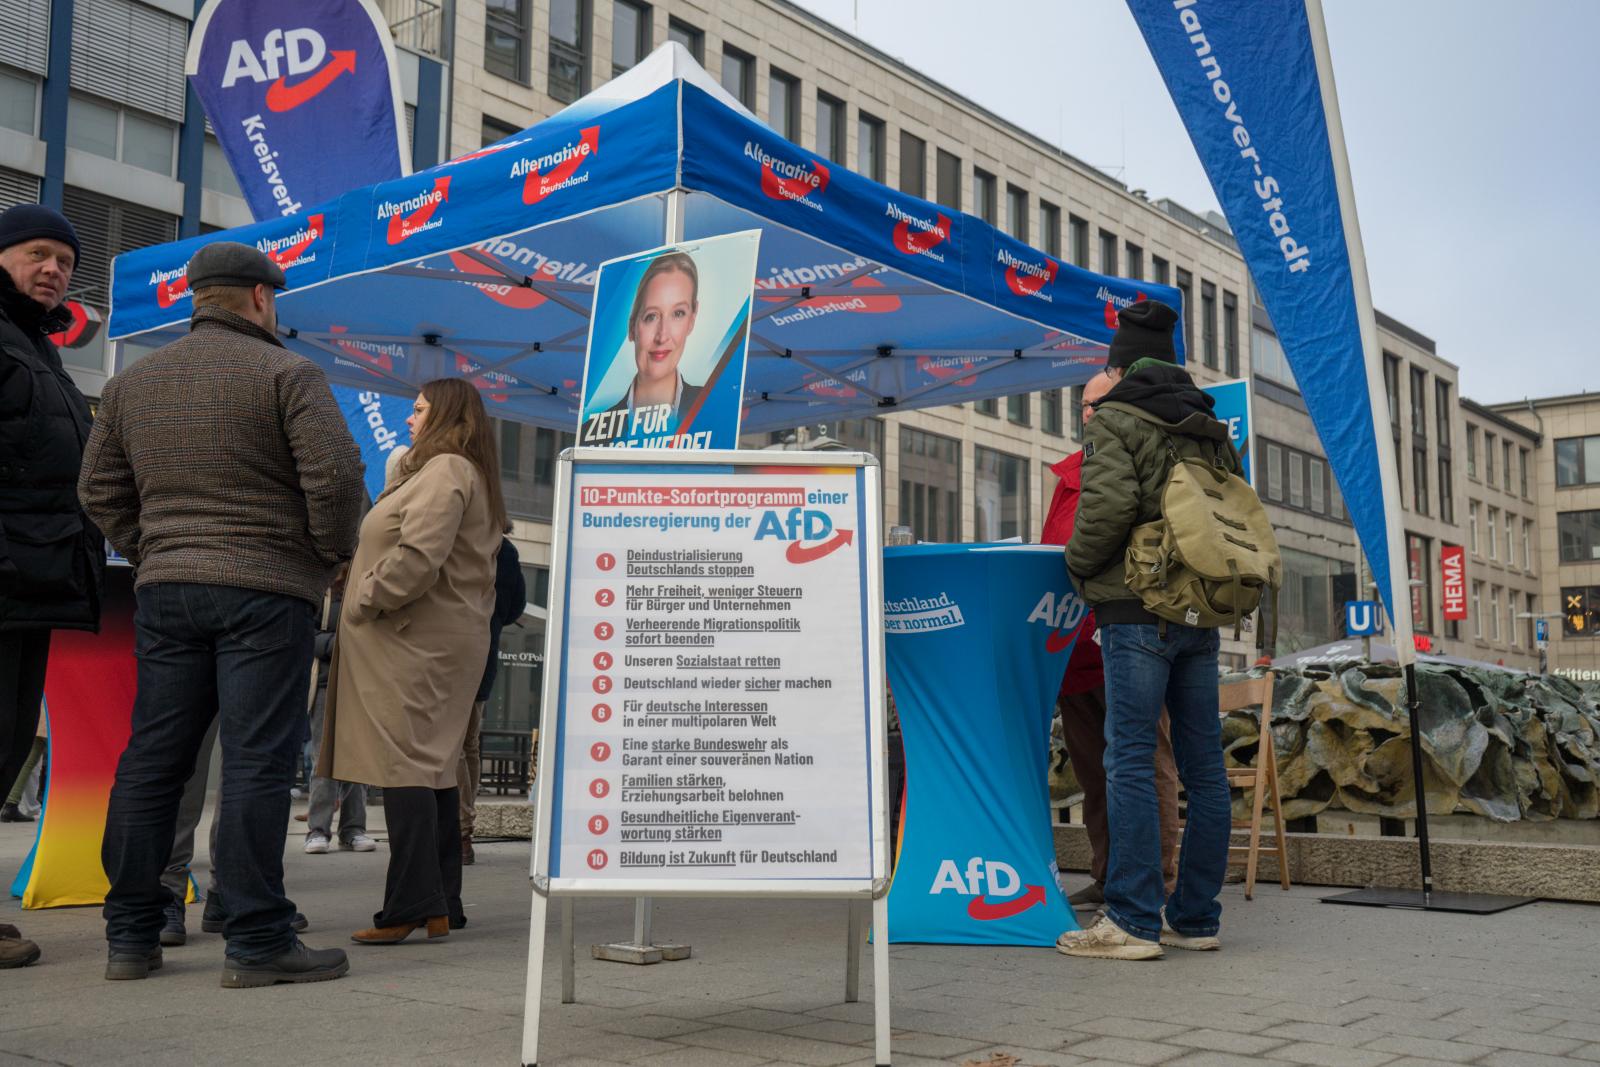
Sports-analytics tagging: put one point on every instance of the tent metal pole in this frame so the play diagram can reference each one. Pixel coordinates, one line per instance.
(675, 206)
(1413, 712)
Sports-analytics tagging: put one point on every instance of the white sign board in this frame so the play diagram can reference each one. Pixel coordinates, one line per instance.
(715, 719)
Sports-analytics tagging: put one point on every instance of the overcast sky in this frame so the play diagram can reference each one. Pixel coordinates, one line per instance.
(1473, 136)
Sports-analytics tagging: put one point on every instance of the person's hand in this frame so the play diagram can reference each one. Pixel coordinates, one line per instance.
(340, 576)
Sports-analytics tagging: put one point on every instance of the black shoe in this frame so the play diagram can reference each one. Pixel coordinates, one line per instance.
(298, 964)
(174, 933)
(11, 813)
(213, 918)
(122, 966)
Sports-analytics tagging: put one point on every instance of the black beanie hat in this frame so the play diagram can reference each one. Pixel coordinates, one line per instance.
(28, 222)
(1144, 330)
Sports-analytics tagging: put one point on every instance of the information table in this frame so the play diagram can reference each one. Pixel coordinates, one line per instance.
(978, 638)
(715, 724)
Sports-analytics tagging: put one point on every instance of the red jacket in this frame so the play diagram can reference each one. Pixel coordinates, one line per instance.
(1085, 670)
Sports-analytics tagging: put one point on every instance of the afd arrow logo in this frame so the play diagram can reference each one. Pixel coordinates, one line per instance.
(947, 367)
(983, 878)
(286, 251)
(802, 553)
(1063, 615)
(985, 910)
(371, 356)
(1028, 279)
(284, 97)
(1115, 303)
(83, 328)
(170, 290)
(916, 236)
(556, 170)
(782, 179)
(500, 290)
(407, 218)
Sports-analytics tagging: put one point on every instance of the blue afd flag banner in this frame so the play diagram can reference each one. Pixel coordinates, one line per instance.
(1245, 79)
(978, 638)
(1232, 409)
(304, 96)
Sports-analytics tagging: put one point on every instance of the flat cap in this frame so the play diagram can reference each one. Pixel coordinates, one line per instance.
(232, 263)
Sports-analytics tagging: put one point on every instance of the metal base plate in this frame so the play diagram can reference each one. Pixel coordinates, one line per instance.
(640, 955)
(1466, 903)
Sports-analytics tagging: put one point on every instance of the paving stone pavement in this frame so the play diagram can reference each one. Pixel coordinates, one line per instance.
(1298, 982)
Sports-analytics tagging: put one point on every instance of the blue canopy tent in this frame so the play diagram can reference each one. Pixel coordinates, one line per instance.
(868, 300)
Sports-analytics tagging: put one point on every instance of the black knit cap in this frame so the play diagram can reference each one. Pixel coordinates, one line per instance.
(29, 222)
(1143, 329)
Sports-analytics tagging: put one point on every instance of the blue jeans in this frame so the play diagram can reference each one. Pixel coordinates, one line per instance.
(204, 650)
(1143, 670)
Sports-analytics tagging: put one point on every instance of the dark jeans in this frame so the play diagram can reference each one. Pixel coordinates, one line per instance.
(1143, 669)
(205, 649)
(23, 654)
(424, 855)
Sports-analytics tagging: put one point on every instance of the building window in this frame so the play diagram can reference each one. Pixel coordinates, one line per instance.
(505, 38)
(783, 104)
(1472, 526)
(739, 75)
(1577, 461)
(1419, 481)
(1419, 403)
(1160, 271)
(1017, 213)
(1310, 612)
(1580, 609)
(510, 449)
(1017, 409)
(569, 49)
(1505, 466)
(1418, 564)
(913, 164)
(1494, 533)
(1477, 610)
(1472, 452)
(1274, 472)
(989, 406)
(1511, 618)
(1533, 610)
(1230, 334)
(1447, 492)
(1391, 390)
(1186, 291)
(1135, 260)
(1078, 240)
(1108, 252)
(869, 146)
(1267, 359)
(1208, 323)
(984, 194)
(1077, 412)
(1494, 613)
(830, 126)
(1050, 229)
(947, 179)
(1511, 538)
(1522, 470)
(528, 457)
(1441, 410)
(493, 130)
(999, 495)
(106, 229)
(215, 172)
(1050, 412)
(1297, 479)
(1488, 458)
(691, 37)
(1578, 533)
(1527, 545)
(133, 137)
(930, 485)
(19, 102)
(630, 34)
(1316, 470)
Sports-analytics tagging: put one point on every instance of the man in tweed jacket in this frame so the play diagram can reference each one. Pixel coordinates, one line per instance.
(221, 467)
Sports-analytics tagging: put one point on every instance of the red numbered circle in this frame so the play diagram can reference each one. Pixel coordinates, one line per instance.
(605, 561)
(601, 712)
(597, 858)
(602, 684)
(598, 824)
(600, 751)
(599, 788)
(602, 661)
(604, 631)
(604, 598)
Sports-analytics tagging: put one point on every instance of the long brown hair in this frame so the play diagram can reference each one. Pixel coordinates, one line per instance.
(457, 423)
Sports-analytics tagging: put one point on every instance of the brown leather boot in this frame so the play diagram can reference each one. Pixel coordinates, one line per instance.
(437, 926)
(16, 950)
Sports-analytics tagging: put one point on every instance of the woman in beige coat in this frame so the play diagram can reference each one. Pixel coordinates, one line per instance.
(413, 637)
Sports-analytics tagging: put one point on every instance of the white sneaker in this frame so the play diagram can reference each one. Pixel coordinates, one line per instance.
(360, 842)
(1172, 939)
(316, 843)
(1105, 940)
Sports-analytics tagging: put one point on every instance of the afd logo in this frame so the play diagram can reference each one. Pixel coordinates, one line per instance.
(300, 53)
(412, 216)
(836, 388)
(782, 179)
(486, 380)
(171, 285)
(294, 249)
(984, 879)
(1115, 303)
(860, 298)
(798, 526)
(1062, 615)
(371, 356)
(948, 367)
(1028, 279)
(553, 171)
(917, 236)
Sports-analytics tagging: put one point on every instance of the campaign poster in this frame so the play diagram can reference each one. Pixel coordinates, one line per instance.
(667, 345)
(1233, 409)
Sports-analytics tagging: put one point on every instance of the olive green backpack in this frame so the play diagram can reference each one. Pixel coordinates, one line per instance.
(1211, 558)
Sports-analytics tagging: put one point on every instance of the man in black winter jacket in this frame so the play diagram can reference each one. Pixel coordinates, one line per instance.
(52, 559)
